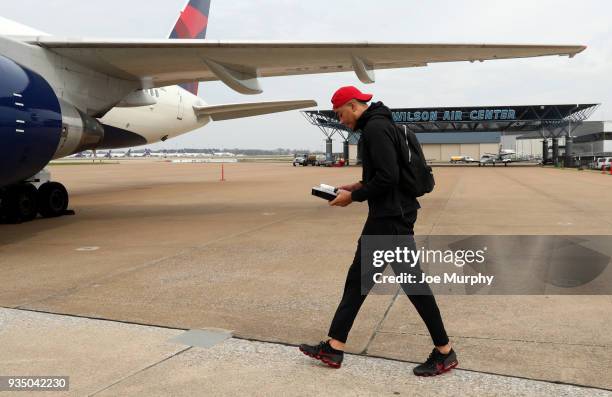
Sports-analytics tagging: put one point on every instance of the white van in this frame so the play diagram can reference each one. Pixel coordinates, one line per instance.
(603, 162)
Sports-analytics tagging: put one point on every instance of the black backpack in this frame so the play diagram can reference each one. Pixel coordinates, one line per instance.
(416, 177)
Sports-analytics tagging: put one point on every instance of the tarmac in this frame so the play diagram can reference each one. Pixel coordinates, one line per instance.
(156, 249)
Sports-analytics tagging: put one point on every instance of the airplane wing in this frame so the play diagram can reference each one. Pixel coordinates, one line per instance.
(239, 110)
(238, 64)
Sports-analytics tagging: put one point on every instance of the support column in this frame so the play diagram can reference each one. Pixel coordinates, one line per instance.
(329, 153)
(346, 152)
(569, 159)
(555, 149)
(545, 151)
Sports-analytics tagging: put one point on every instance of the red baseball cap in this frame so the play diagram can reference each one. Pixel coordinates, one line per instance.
(345, 94)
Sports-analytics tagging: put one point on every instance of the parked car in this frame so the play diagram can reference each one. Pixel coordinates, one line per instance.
(300, 160)
(603, 162)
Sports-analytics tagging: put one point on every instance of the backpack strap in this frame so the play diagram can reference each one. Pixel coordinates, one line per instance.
(407, 143)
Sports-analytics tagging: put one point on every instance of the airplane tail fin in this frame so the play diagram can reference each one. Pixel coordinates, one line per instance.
(192, 24)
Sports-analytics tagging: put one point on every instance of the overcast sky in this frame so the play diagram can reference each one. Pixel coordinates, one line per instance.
(549, 80)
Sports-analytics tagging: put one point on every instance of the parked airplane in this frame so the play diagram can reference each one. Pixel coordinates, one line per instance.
(121, 154)
(61, 96)
(504, 156)
(79, 155)
(145, 153)
(163, 153)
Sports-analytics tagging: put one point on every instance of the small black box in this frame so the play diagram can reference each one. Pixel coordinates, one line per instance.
(325, 192)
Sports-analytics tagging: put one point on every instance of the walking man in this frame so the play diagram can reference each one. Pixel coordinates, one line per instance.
(391, 212)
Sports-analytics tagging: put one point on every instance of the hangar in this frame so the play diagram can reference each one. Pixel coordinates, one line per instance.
(589, 140)
(474, 131)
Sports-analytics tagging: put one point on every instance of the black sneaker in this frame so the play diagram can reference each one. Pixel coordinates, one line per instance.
(324, 352)
(437, 363)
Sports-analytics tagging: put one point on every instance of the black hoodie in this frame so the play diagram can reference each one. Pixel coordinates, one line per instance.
(378, 144)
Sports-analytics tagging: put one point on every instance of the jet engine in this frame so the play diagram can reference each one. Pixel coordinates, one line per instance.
(36, 126)
(30, 122)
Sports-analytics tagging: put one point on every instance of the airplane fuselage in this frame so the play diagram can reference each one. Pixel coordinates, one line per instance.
(60, 96)
(66, 98)
(170, 116)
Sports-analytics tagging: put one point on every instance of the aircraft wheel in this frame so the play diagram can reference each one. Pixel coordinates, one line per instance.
(52, 199)
(19, 203)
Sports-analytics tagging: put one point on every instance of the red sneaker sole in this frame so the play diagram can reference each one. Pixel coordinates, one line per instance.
(322, 359)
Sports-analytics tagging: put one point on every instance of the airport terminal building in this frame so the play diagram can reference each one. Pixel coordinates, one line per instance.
(535, 132)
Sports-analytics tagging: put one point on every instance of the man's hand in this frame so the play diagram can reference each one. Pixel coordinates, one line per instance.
(352, 187)
(342, 199)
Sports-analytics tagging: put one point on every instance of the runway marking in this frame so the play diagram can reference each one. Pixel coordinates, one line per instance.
(87, 249)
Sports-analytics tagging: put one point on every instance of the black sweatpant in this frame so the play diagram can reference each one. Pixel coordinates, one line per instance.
(352, 299)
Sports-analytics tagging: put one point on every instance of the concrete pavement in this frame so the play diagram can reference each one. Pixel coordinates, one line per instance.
(169, 245)
(106, 358)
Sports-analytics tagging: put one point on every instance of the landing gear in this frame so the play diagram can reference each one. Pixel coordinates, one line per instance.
(52, 199)
(22, 202)
(19, 203)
